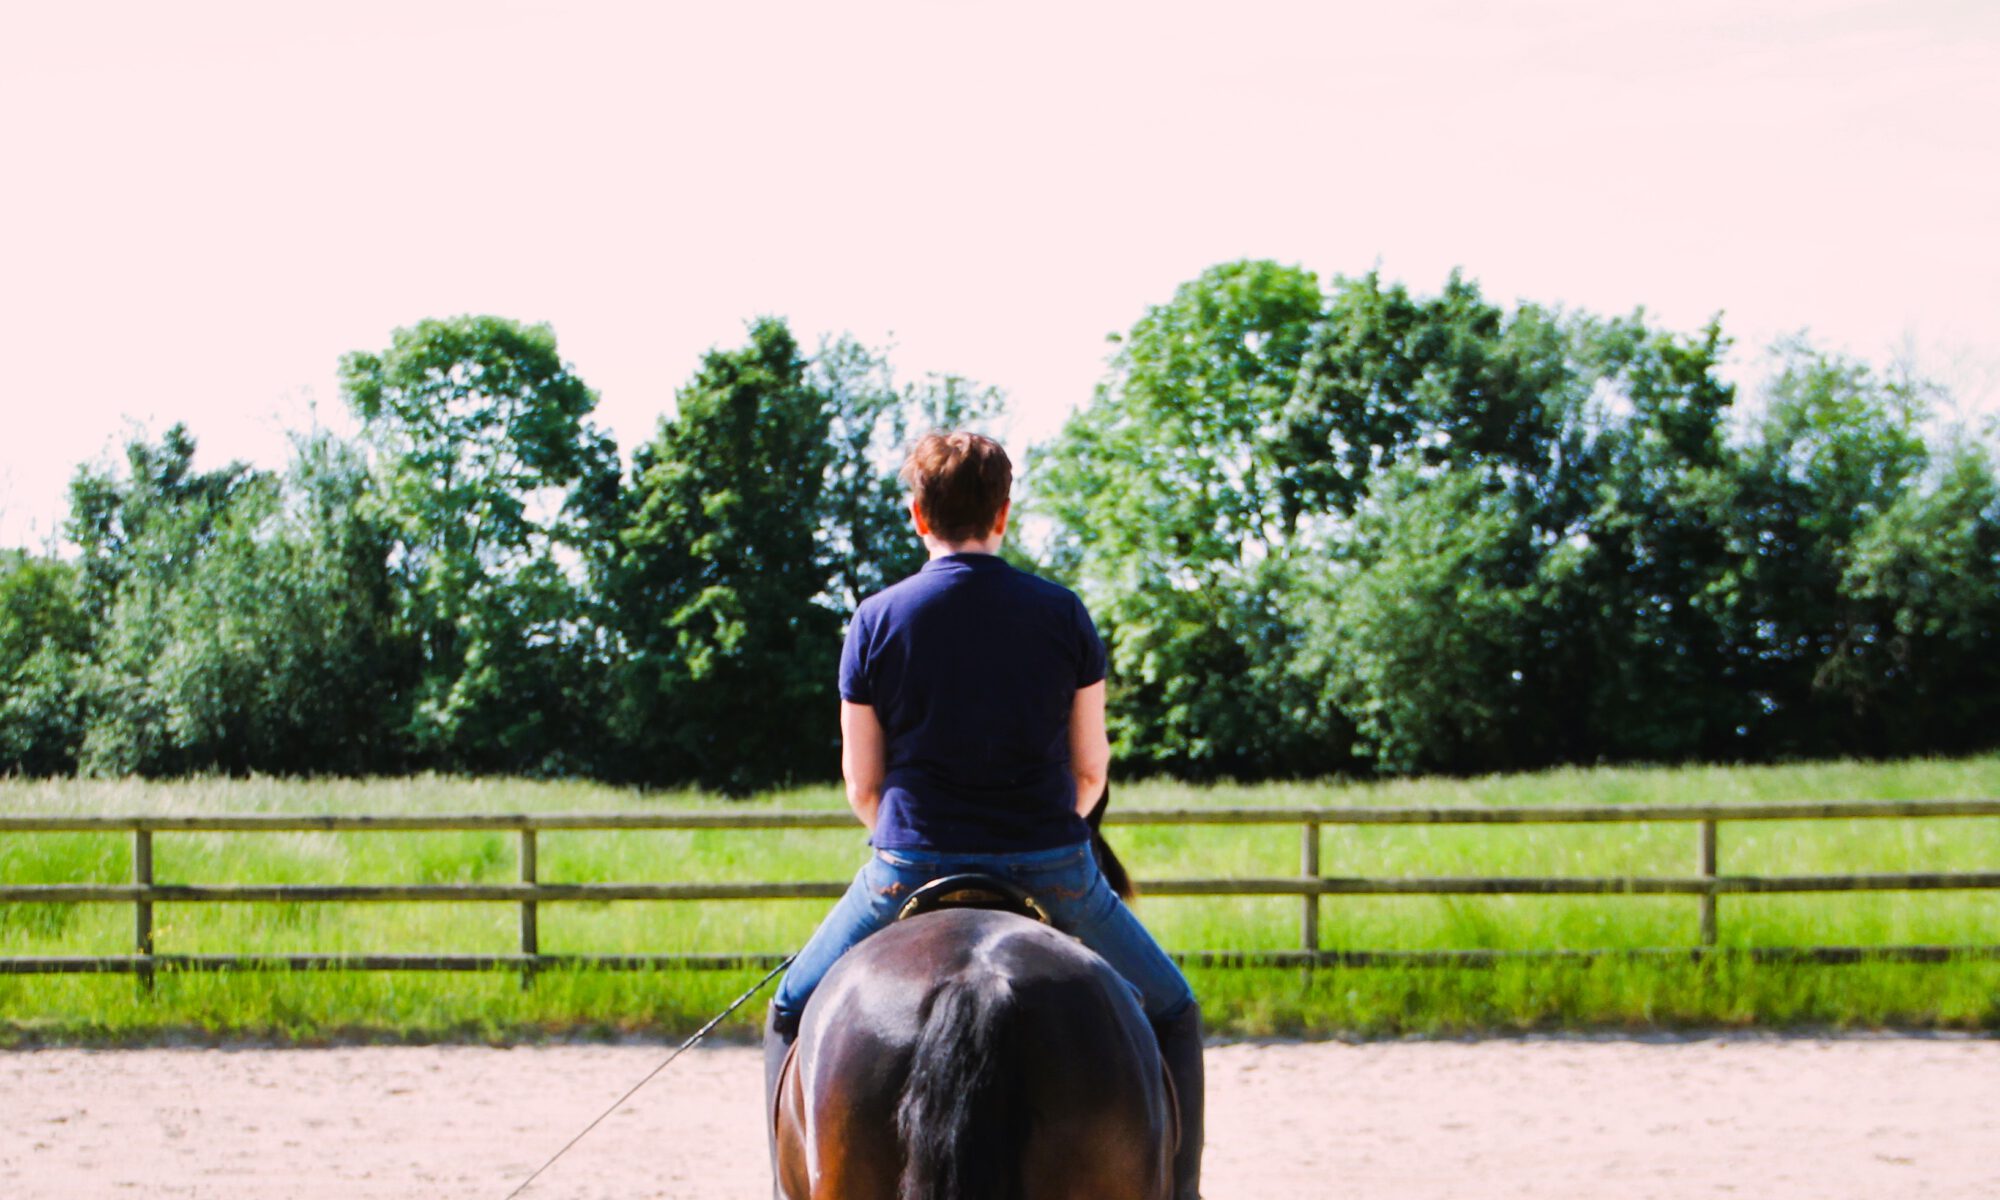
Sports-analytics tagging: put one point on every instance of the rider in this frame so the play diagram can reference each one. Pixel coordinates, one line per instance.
(972, 739)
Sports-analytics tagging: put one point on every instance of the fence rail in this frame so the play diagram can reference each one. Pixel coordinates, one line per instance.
(1310, 885)
(832, 819)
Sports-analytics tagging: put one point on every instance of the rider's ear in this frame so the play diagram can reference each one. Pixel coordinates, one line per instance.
(917, 519)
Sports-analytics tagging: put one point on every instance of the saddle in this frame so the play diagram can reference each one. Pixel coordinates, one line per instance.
(970, 890)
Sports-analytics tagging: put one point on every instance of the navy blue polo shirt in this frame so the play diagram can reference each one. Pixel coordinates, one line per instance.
(972, 667)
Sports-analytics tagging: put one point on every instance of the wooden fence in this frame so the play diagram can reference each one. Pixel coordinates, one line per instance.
(1707, 884)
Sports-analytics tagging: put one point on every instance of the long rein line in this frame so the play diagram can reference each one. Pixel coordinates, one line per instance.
(678, 1051)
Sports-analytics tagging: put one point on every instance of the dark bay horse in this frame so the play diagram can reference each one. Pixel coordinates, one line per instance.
(968, 1054)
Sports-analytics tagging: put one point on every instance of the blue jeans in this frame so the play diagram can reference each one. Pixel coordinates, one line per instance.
(1067, 882)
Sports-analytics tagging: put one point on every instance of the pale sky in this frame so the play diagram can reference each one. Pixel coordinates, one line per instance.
(204, 205)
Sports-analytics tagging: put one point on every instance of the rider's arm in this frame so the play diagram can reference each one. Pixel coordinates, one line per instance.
(1089, 747)
(863, 759)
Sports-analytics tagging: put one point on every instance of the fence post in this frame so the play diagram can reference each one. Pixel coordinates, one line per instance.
(142, 909)
(1708, 873)
(1309, 866)
(530, 933)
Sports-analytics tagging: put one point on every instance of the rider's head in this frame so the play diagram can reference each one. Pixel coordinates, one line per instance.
(958, 487)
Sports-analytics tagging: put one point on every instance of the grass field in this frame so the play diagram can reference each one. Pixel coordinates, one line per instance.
(1378, 1001)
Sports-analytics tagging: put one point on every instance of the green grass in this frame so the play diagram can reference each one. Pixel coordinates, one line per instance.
(1614, 993)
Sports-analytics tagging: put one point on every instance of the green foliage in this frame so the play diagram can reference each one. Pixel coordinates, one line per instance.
(153, 521)
(1175, 463)
(1350, 528)
(285, 657)
(44, 634)
(476, 416)
(871, 423)
(39, 609)
(1836, 450)
(494, 479)
(757, 517)
(253, 635)
(866, 531)
(143, 537)
(1421, 635)
(1170, 500)
(1397, 532)
(1923, 657)
(1387, 377)
(1632, 657)
(721, 575)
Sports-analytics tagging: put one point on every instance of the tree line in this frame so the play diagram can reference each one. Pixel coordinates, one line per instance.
(1339, 528)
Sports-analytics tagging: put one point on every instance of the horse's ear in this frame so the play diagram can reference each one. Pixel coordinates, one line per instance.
(1107, 861)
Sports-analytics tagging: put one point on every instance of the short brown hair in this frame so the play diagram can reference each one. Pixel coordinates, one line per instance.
(959, 481)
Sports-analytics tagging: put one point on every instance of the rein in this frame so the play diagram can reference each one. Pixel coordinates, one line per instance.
(699, 1034)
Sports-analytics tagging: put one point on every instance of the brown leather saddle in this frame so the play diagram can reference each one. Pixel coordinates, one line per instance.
(970, 890)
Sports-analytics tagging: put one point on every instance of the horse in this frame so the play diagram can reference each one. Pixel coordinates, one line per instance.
(972, 1054)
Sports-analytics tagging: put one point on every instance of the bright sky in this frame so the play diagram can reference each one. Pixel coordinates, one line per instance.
(203, 205)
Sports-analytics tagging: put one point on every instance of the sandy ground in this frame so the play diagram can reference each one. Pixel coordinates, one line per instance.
(1777, 1118)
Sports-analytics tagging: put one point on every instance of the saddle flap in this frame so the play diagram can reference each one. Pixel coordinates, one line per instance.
(973, 891)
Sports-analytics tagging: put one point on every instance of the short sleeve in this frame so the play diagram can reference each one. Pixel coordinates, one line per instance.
(1091, 666)
(854, 686)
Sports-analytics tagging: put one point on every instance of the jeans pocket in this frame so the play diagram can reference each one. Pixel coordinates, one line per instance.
(1051, 866)
(1066, 886)
(907, 863)
(891, 879)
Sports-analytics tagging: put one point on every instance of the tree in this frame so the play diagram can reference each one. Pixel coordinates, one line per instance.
(871, 421)
(1835, 450)
(1923, 660)
(1424, 633)
(1173, 464)
(721, 581)
(1386, 378)
(1170, 497)
(140, 538)
(282, 653)
(496, 482)
(1636, 656)
(257, 634)
(44, 634)
(161, 504)
(1257, 482)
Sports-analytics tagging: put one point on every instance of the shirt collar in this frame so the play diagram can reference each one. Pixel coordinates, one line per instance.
(971, 560)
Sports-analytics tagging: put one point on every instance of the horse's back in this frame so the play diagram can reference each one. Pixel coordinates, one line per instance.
(1085, 1093)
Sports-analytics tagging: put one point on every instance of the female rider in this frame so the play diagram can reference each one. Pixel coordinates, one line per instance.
(972, 739)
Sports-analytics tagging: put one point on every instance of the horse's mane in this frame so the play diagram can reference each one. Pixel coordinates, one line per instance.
(961, 1119)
